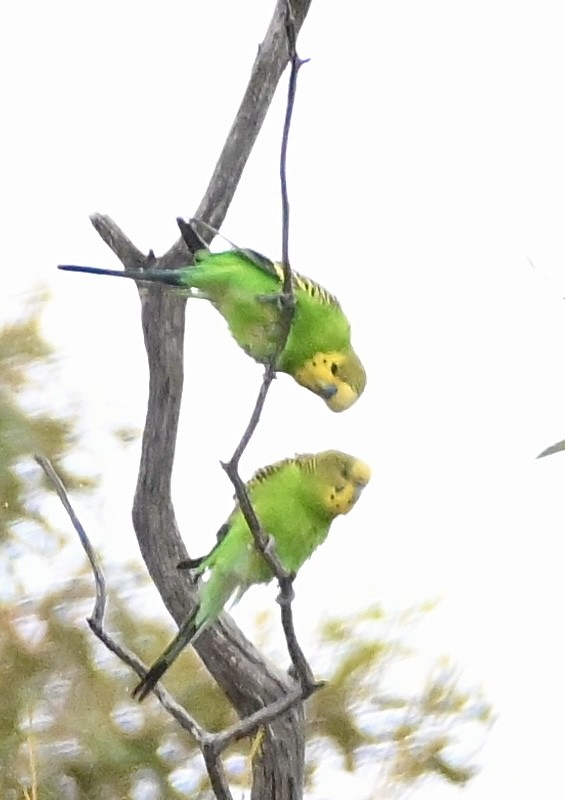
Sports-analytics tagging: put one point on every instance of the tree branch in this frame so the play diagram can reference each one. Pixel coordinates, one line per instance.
(250, 682)
(295, 64)
(99, 580)
(118, 242)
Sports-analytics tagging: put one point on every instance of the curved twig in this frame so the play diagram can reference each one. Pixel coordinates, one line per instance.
(99, 580)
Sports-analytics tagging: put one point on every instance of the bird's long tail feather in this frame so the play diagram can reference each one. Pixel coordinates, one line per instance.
(172, 277)
(187, 632)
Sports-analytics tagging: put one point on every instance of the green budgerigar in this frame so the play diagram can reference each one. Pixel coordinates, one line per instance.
(243, 286)
(296, 501)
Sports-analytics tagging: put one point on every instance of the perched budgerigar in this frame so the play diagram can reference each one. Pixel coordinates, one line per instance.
(243, 286)
(296, 501)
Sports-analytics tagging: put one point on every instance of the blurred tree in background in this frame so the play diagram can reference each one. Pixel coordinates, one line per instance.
(26, 367)
(68, 728)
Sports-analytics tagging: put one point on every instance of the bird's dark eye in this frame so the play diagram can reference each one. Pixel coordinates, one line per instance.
(344, 472)
(333, 368)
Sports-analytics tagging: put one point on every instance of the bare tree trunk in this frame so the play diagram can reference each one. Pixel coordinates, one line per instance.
(246, 677)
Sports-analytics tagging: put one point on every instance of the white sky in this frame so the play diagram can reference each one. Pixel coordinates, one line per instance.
(427, 164)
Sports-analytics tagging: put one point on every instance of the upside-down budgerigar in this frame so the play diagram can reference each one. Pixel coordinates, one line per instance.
(243, 286)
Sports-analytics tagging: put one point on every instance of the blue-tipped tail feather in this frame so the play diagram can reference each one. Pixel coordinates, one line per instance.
(172, 277)
(187, 632)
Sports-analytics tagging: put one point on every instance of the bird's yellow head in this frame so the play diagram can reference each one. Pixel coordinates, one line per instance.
(338, 378)
(343, 478)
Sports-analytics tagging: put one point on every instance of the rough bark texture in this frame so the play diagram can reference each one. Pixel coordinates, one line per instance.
(246, 677)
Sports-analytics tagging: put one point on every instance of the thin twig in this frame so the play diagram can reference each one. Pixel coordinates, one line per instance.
(286, 595)
(216, 772)
(249, 725)
(167, 701)
(267, 546)
(263, 542)
(295, 64)
(302, 669)
(32, 761)
(100, 602)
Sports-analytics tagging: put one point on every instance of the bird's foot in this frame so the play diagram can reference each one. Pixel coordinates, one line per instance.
(280, 299)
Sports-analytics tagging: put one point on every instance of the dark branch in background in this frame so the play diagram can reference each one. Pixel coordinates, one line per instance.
(247, 678)
(555, 448)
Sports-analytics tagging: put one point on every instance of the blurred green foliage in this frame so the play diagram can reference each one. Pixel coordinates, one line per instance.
(69, 706)
(26, 364)
(365, 714)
